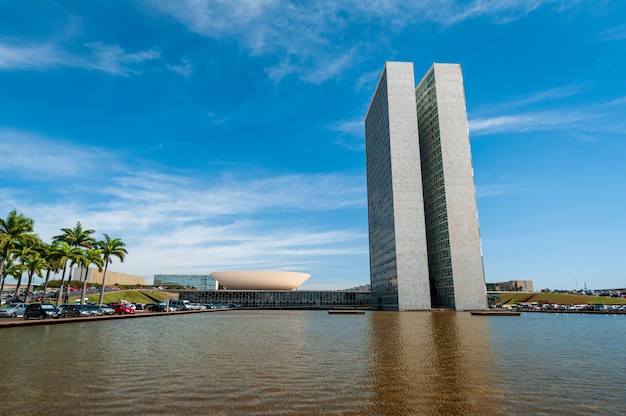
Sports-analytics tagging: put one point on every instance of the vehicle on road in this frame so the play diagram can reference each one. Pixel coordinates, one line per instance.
(13, 310)
(41, 311)
(157, 307)
(74, 311)
(94, 310)
(182, 304)
(122, 308)
(106, 309)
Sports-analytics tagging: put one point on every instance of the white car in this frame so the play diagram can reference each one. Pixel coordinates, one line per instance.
(106, 309)
(13, 310)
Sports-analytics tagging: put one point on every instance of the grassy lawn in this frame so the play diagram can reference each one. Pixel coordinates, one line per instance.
(558, 298)
(132, 296)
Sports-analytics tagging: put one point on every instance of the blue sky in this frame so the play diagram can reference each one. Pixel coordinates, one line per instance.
(228, 134)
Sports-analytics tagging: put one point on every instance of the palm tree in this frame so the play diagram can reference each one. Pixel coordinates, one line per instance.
(14, 229)
(49, 253)
(26, 252)
(16, 270)
(5, 273)
(91, 257)
(74, 237)
(66, 253)
(11, 269)
(110, 247)
(34, 264)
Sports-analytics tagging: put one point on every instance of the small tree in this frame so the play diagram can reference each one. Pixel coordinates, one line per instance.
(91, 257)
(110, 247)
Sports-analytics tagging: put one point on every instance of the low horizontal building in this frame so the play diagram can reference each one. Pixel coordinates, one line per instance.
(112, 277)
(281, 299)
(192, 281)
(511, 286)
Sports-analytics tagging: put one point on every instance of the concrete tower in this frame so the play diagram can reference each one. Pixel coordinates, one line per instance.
(423, 220)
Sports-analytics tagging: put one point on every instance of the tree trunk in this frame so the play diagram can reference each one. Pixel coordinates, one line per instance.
(69, 285)
(104, 275)
(45, 287)
(84, 291)
(17, 289)
(30, 283)
(5, 254)
(60, 294)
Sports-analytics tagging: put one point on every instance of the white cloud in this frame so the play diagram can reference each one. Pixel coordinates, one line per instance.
(485, 191)
(539, 121)
(300, 37)
(36, 156)
(174, 223)
(107, 58)
(583, 121)
(352, 134)
(30, 57)
(185, 68)
(616, 33)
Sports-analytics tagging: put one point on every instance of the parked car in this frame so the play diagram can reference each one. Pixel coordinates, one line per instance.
(41, 311)
(157, 307)
(182, 304)
(13, 310)
(140, 307)
(94, 310)
(122, 308)
(106, 309)
(69, 310)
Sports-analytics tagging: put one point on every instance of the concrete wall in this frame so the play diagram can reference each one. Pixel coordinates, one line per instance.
(95, 276)
(395, 199)
(467, 262)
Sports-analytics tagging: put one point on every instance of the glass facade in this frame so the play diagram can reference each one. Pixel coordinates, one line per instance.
(423, 221)
(195, 281)
(433, 182)
(383, 268)
(281, 299)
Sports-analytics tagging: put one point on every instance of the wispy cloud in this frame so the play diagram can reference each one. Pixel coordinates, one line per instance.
(486, 191)
(539, 121)
(172, 221)
(30, 56)
(40, 157)
(107, 58)
(551, 110)
(185, 68)
(299, 37)
(351, 134)
(616, 33)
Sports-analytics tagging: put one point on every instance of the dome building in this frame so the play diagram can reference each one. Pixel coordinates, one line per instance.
(260, 279)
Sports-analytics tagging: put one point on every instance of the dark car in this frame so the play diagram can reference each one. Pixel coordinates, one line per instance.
(41, 311)
(69, 311)
(157, 307)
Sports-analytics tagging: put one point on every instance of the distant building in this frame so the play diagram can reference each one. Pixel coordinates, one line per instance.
(195, 281)
(112, 277)
(281, 299)
(423, 221)
(511, 286)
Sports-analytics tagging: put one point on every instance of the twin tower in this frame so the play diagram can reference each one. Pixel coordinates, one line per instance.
(424, 234)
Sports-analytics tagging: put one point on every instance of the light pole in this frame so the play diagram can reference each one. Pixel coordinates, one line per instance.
(575, 280)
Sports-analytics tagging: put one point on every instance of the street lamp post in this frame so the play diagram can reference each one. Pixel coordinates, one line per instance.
(575, 280)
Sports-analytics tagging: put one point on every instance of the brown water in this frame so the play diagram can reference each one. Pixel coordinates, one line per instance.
(310, 363)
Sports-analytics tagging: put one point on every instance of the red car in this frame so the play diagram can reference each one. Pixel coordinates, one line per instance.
(121, 308)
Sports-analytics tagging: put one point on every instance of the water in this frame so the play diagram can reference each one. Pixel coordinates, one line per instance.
(312, 363)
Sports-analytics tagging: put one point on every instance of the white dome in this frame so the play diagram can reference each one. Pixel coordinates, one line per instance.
(260, 279)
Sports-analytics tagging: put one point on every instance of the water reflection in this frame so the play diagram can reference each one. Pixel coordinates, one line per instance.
(312, 363)
(430, 363)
